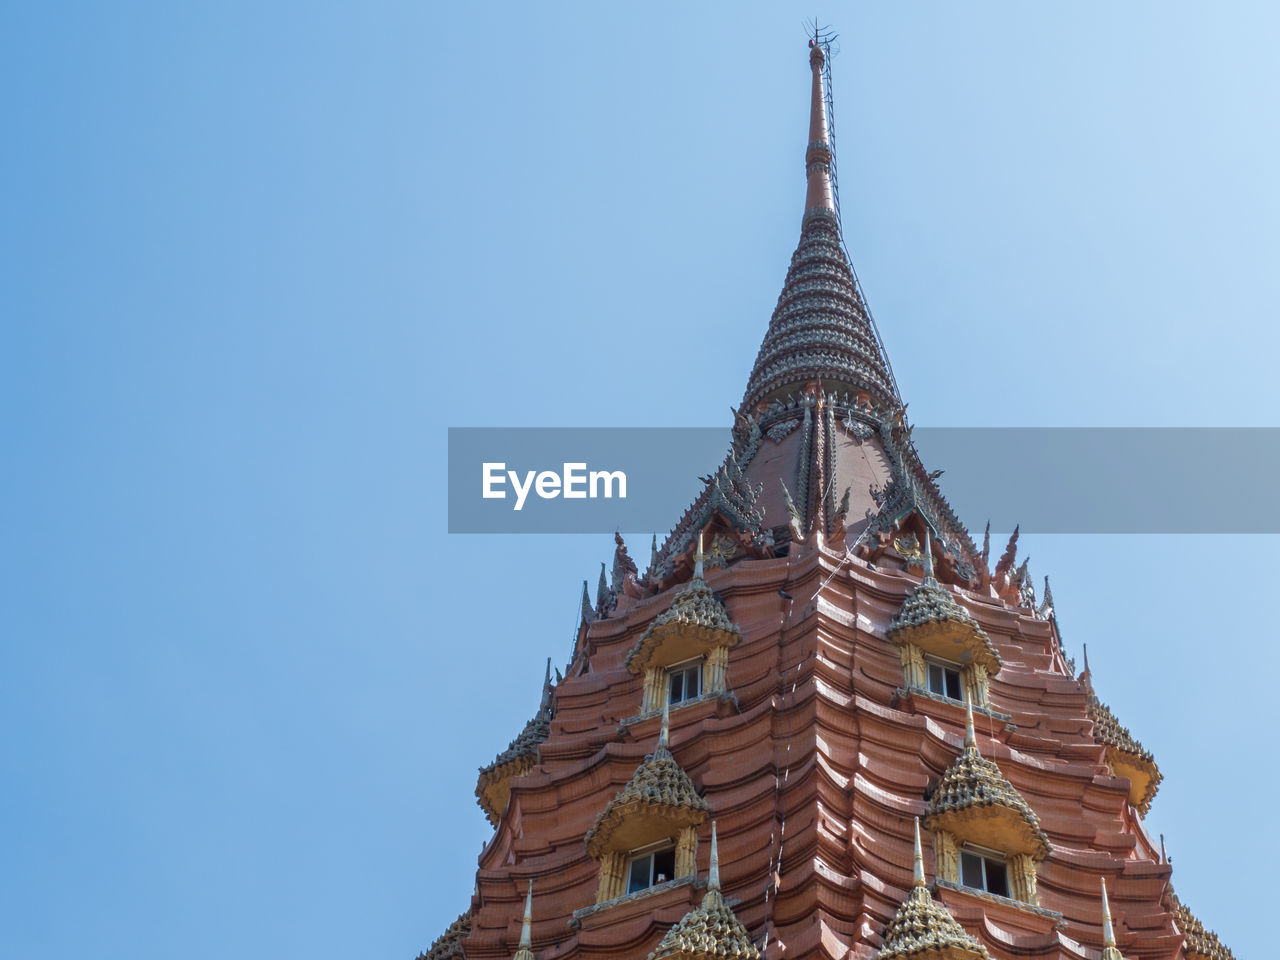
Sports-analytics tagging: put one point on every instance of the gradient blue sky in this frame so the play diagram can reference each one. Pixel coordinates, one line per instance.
(257, 257)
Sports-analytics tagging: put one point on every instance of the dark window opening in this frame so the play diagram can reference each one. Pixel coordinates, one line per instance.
(984, 873)
(649, 869)
(945, 681)
(684, 682)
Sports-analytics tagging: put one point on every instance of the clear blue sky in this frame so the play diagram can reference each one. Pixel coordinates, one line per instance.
(257, 257)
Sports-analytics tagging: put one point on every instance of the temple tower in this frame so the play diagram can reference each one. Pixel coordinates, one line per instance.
(821, 681)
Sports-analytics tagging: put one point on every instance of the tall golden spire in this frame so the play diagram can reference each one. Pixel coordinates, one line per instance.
(817, 157)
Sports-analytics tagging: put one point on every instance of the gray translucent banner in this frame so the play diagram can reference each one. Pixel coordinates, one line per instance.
(1049, 480)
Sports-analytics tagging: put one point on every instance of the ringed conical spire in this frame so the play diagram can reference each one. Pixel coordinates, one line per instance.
(820, 329)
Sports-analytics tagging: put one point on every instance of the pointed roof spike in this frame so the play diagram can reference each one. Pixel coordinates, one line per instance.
(1086, 659)
(653, 556)
(1108, 930)
(918, 879)
(817, 156)
(526, 931)
(970, 739)
(602, 591)
(546, 689)
(664, 731)
(713, 874)
(928, 550)
(1005, 564)
(588, 612)
(986, 543)
(697, 559)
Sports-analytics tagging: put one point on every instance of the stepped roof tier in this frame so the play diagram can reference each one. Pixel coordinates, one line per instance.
(829, 552)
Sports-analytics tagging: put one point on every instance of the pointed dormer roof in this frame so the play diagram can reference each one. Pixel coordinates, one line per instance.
(924, 929)
(1126, 755)
(820, 329)
(696, 617)
(660, 792)
(711, 931)
(493, 784)
(976, 803)
(931, 618)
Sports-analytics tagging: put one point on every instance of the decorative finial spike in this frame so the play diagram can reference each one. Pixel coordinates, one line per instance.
(1108, 931)
(928, 550)
(698, 559)
(526, 931)
(546, 688)
(919, 858)
(713, 875)
(664, 732)
(970, 739)
(817, 158)
(1086, 657)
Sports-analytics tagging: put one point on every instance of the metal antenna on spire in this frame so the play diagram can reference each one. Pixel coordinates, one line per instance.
(826, 38)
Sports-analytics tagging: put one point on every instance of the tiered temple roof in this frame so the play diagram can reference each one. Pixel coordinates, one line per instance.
(809, 754)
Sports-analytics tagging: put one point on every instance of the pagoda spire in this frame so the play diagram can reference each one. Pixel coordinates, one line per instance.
(820, 331)
(817, 156)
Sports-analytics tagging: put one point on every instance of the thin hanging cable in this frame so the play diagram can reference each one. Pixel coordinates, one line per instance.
(826, 42)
